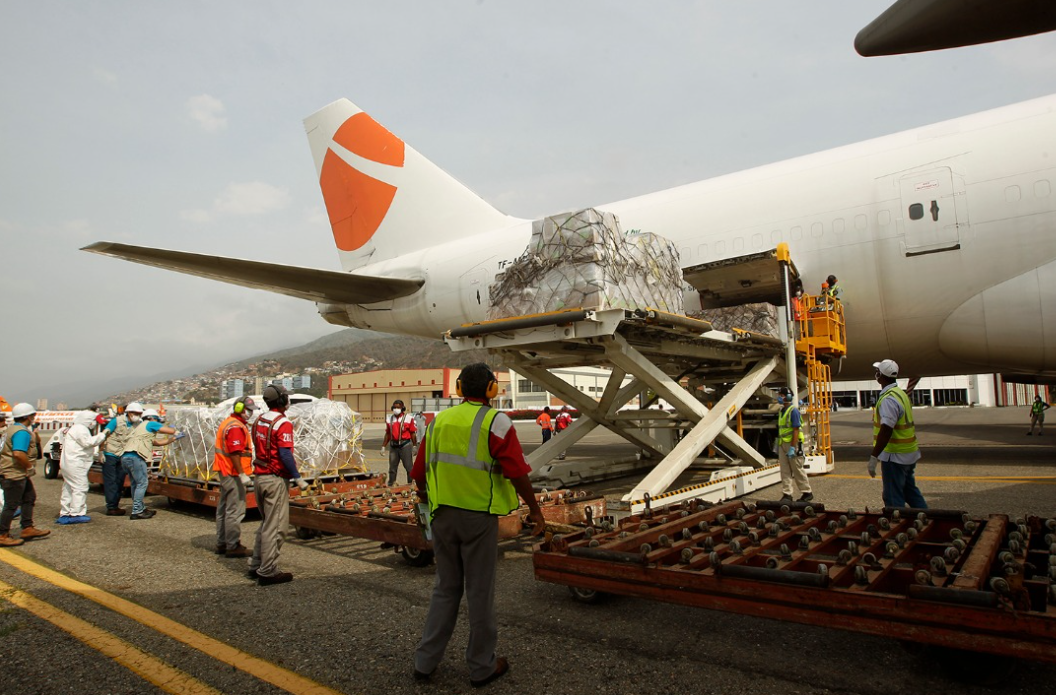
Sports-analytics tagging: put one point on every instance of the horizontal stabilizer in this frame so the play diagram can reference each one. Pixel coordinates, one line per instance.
(326, 286)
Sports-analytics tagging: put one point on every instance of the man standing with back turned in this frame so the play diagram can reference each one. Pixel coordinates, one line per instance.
(895, 441)
(470, 469)
(274, 467)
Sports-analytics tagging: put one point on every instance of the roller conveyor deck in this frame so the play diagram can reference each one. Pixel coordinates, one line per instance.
(927, 576)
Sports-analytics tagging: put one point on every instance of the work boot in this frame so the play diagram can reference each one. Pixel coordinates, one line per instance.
(6, 541)
(116, 511)
(807, 497)
(34, 532)
(240, 551)
(280, 578)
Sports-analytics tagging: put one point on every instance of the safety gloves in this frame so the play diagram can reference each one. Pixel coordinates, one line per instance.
(873, 462)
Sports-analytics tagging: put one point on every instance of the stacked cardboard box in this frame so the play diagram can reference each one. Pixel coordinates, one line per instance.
(582, 260)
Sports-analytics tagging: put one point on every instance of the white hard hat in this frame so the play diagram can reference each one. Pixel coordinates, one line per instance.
(888, 368)
(150, 412)
(22, 410)
(134, 407)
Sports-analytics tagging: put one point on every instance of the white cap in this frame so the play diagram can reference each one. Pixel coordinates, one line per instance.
(134, 407)
(22, 410)
(150, 412)
(888, 368)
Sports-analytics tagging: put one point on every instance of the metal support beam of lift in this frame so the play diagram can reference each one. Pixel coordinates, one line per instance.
(659, 350)
(656, 350)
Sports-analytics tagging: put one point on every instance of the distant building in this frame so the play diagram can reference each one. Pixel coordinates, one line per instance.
(294, 382)
(233, 388)
(42, 404)
(980, 390)
(588, 380)
(422, 390)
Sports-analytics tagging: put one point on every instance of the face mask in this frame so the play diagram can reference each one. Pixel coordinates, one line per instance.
(396, 411)
(134, 418)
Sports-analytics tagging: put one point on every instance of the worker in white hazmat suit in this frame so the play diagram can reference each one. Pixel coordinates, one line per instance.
(78, 452)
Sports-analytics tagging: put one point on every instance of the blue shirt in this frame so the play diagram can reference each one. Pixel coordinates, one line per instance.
(21, 440)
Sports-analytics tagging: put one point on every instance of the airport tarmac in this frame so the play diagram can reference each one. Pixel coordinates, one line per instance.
(352, 617)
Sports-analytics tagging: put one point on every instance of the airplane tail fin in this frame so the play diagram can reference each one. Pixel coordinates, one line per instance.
(382, 197)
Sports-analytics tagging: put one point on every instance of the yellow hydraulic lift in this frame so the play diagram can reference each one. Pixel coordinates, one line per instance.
(820, 337)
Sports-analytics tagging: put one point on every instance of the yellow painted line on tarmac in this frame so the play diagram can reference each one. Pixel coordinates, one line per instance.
(146, 666)
(259, 668)
(1032, 479)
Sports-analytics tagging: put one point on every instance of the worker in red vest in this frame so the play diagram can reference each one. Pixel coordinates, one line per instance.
(561, 423)
(274, 467)
(401, 437)
(233, 462)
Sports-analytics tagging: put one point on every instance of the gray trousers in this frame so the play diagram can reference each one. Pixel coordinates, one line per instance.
(792, 471)
(273, 501)
(467, 551)
(397, 455)
(230, 511)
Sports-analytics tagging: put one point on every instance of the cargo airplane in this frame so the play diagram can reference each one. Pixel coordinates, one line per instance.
(943, 237)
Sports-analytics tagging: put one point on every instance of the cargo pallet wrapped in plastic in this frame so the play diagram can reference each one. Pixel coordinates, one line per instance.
(582, 260)
(327, 440)
(758, 317)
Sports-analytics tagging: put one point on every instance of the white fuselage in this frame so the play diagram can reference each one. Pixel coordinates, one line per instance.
(943, 239)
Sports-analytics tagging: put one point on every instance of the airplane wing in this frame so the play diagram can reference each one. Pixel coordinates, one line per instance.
(326, 286)
(912, 26)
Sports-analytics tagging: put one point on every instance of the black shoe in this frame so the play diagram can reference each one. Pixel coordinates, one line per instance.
(501, 667)
(785, 498)
(807, 497)
(1029, 433)
(420, 676)
(145, 514)
(221, 548)
(252, 574)
(280, 578)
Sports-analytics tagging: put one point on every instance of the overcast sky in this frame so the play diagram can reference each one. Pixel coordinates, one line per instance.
(178, 124)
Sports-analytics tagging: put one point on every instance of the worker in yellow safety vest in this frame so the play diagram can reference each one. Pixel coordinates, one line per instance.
(790, 450)
(470, 469)
(895, 441)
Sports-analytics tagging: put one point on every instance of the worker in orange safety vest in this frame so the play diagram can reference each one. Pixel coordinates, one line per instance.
(233, 462)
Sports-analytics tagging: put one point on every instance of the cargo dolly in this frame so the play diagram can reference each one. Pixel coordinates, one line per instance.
(929, 577)
(386, 514)
(207, 493)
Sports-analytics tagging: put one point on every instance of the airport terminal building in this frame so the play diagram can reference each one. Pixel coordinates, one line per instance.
(432, 389)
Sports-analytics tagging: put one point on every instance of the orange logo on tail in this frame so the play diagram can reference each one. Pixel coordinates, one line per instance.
(357, 203)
